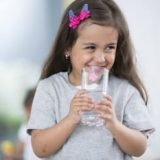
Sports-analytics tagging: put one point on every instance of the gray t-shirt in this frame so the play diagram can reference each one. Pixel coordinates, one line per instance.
(52, 102)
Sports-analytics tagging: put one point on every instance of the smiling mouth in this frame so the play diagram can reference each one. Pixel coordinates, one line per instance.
(94, 73)
(94, 68)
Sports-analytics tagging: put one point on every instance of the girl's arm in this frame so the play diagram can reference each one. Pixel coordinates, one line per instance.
(48, 141)
(131, 141)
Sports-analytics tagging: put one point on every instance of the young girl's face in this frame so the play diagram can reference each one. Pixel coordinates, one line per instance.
(95, 46)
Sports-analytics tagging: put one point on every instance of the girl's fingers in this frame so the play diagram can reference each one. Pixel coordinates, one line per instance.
(80, 93)
(104, 108)
(103, 105)
(108, 97)
(83, 102)
(105, 116)
(83, 108)
(82, 98)
(80, 102)
(104, 111)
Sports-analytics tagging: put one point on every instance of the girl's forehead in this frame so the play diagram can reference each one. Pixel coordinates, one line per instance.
(84, 24)
(90, 22)
(90, 31)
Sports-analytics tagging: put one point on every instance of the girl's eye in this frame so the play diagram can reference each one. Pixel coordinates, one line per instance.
(91, 47)
(110, 48)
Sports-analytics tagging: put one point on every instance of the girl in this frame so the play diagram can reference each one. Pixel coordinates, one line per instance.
(92, 33)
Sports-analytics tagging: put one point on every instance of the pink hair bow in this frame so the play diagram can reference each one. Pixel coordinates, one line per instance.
(74, 20)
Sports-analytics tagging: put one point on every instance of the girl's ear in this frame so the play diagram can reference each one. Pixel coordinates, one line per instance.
(67, 54)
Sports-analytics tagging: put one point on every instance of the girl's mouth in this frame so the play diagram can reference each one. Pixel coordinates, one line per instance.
(94, 68)
(94, 72)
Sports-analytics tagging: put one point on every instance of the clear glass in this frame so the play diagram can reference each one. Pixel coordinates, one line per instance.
(95, 81)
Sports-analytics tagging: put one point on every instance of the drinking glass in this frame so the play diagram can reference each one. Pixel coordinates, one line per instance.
(95, 82)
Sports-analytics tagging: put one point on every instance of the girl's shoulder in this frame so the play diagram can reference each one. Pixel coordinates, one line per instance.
(58, 77)
(56, 80)
(117, 83)
(55, 76)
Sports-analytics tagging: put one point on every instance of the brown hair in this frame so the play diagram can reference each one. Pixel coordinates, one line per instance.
(106, 13)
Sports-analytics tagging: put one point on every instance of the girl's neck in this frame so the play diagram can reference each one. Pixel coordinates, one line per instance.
(74, 79)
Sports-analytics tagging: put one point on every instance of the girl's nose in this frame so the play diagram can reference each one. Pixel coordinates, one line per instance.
(100, 57)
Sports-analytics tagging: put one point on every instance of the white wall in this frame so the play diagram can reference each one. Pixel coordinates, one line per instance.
(27, 30)
(144, 23)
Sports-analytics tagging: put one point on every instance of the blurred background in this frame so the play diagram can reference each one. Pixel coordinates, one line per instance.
(27, 32)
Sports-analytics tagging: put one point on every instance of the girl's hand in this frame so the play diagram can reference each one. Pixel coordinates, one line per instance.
(79, 103)
(106, 111)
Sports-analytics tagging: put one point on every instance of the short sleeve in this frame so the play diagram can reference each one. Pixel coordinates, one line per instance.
(43, 112)
(136, 114)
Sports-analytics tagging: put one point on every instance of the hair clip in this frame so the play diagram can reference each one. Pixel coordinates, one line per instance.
(84, 13)
(74, 20)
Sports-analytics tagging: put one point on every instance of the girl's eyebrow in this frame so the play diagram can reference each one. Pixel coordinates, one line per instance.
(89, 43)
(112, 43)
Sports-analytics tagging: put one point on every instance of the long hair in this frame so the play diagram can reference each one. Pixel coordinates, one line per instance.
(105, 13)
